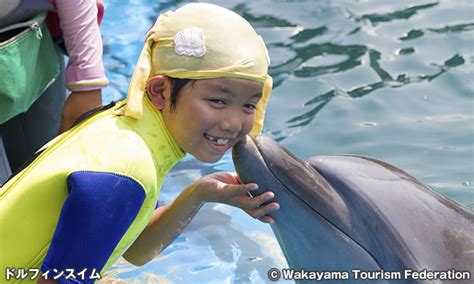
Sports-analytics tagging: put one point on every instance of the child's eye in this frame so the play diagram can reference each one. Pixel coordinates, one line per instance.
(250, 107)
(217, 102)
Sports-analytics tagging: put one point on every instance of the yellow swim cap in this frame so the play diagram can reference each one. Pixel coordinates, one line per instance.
(201, 41)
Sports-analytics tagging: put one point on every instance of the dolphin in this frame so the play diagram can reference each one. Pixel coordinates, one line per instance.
(357, 214)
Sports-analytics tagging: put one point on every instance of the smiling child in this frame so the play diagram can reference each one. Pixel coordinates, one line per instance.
(201, 84)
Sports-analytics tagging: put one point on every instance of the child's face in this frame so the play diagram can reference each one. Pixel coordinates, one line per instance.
(212, 115)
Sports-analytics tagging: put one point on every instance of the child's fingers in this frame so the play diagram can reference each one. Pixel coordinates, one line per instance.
(262, 211)
(226, 177)
(267, 219)
(241, 189)
(258, 200)
(235, 176)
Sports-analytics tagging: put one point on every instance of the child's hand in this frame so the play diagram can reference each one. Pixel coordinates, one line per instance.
(226, 188)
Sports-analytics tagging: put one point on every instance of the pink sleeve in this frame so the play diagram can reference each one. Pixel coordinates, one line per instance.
(78, 21)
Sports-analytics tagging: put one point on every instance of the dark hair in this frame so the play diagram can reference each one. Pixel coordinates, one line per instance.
(177, 84)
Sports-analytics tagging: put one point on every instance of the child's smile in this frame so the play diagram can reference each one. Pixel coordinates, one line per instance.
(212, 115)
(216, 143)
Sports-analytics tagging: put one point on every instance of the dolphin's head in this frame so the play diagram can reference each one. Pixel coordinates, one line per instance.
(348, 212)
(309, 223)
(262, 160)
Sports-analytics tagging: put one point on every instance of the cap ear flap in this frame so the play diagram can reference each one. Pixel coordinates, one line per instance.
(261, 106)
(137, 87)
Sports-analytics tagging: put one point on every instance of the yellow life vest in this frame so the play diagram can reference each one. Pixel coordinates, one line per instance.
(31, 202)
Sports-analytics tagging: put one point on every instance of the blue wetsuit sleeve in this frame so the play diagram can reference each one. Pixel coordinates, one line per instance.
(95, 216)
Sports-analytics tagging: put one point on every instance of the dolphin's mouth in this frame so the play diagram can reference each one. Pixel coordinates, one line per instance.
(262, 160)
(266, 157)
(339, 209)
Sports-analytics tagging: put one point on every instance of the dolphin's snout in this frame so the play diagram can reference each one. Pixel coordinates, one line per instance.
(341, 212)
(249, 164)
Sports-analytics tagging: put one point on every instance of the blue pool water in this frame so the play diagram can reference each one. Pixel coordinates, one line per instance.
(389, 79)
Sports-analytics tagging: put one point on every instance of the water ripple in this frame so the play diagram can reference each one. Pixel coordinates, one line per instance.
(261, 21)
(303, 54)
(416, 33)
(360, 91)
(307, 34)
(405, 51)
(404, 14)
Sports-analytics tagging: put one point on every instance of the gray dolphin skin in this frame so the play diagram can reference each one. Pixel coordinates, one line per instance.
(353, 213)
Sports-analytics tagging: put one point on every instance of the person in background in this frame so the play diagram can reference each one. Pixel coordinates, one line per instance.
(74, 25)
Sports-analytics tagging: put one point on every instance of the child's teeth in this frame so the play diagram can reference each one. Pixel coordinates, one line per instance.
(218, 141)
(210, 138)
